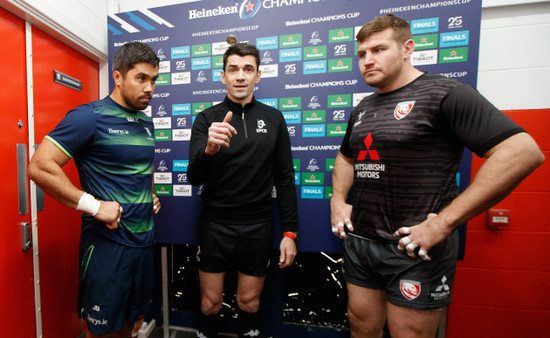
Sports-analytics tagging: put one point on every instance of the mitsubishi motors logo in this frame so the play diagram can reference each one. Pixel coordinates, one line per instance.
(441, 291)
(403, 109)
(372, 153)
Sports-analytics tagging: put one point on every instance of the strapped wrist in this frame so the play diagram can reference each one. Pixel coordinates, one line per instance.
(88, 204)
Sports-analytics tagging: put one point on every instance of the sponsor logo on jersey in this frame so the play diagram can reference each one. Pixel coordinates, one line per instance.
(372, 153)
(261, 129)
(403, 109)
(410, 289)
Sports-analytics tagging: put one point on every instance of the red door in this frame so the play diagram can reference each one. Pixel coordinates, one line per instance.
(58, 226)
(16, 273)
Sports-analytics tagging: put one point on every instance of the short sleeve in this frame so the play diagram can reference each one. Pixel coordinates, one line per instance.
(75, 130)
(475, 121)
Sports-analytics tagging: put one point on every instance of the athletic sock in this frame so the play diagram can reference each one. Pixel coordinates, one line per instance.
(207, 326)
(248, 324)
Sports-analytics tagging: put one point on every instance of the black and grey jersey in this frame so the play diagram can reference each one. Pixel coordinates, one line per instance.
(407, 145)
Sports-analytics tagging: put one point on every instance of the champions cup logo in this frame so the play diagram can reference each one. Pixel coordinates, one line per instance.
(403, 109)
(249, 8)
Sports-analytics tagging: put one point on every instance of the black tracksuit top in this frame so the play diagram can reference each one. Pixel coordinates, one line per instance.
(238, 180)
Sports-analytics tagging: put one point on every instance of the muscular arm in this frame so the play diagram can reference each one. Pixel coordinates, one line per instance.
(45, 169)
(342, 180)
(507, 164)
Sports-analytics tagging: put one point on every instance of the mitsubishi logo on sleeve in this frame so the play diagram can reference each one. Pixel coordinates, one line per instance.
(372, 153)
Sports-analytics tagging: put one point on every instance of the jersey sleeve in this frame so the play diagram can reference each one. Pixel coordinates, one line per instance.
(283, 176)
(198, 159)
(345, 149)
(74, 131)
(476, 122)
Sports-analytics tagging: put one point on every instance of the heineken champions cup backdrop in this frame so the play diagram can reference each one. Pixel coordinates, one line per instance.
(309, 72)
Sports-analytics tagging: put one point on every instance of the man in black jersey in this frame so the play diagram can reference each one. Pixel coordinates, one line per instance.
(239, 150)
(399, 158)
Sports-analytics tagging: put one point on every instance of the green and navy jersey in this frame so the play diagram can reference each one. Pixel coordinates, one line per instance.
(407, 145)
(113, 149)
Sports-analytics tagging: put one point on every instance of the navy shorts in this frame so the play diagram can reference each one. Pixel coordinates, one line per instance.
(411, 283)
(244, 247)
(115, 282)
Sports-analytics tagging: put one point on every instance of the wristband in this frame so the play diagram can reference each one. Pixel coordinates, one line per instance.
(89, 204)
(290, 235)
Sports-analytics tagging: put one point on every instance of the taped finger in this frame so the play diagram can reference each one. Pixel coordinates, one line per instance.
(347, 221)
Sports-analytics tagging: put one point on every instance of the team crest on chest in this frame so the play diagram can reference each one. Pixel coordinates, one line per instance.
(403, 109)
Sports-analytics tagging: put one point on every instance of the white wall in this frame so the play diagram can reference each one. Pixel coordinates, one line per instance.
(514, 56)
(514, 62)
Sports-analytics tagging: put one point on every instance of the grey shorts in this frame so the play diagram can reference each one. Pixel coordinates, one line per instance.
(411, 283)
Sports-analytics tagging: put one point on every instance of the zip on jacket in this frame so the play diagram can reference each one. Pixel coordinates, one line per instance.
(244, 125)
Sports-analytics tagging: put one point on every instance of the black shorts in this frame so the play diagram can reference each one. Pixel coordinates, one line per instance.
(244, 247)
(411, 283)
(115, 284)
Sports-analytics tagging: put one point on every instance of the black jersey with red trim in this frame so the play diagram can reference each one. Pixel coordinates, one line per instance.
(407, 145)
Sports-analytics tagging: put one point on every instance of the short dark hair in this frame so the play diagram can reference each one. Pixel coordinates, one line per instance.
(132, 53)
(241, 49)
(400, 27)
